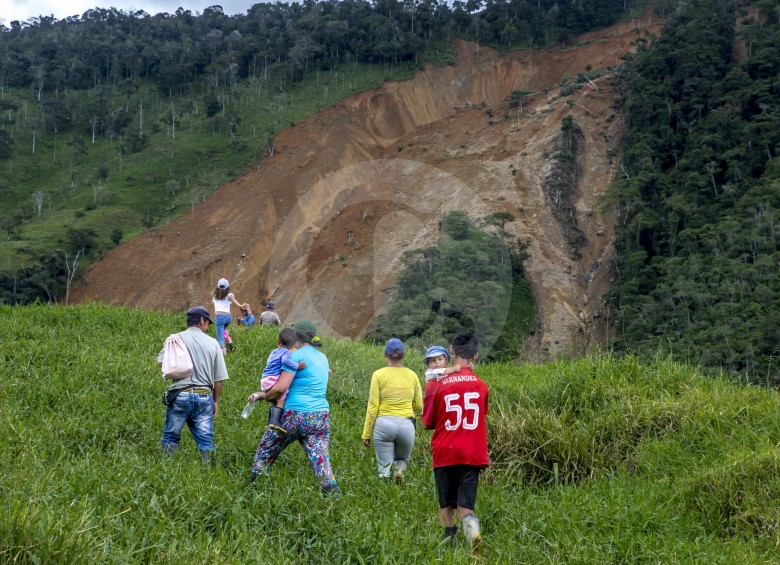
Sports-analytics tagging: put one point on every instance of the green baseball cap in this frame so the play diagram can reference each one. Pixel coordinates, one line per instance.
(305, 329)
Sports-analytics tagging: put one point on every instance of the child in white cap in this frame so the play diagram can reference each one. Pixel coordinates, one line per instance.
(436, 359)
(222, 299)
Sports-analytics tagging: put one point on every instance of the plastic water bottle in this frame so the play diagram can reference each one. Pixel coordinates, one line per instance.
(248, 409)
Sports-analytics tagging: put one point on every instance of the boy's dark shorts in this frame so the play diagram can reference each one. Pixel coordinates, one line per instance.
(457, 485)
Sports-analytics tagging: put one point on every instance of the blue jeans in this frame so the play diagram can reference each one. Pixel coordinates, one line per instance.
(197, 411)
(222, 320)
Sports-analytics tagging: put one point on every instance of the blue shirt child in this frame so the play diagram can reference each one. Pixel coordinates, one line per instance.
(278, 361)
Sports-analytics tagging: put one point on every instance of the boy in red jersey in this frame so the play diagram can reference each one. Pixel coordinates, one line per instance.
(455, 408)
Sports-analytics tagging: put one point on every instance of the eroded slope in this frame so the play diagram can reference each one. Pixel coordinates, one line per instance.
(323, 223)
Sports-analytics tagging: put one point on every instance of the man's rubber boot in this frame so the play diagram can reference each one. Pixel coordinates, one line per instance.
(472, 532)
(275, 419)
(168, 450)
(206, 459)
(449, 534)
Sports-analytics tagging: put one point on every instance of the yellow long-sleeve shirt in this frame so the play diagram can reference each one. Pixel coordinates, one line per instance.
(395, 391)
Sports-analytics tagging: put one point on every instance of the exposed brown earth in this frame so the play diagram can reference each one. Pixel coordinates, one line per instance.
(324, 222)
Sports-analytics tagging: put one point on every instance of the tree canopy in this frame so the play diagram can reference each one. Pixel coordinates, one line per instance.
(699, 197)
(178, 50)
(470, 280)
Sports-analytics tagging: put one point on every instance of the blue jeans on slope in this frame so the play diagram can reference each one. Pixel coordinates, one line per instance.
(197, 411)
(222, 320)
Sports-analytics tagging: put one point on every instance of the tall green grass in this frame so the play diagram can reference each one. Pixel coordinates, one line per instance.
(599, 460)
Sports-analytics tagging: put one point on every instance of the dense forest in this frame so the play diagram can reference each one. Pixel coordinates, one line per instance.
(114, 122)
(180, 50)
(698, 198)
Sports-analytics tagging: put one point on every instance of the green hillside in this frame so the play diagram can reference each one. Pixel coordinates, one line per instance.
(75, 196)
(601, 460)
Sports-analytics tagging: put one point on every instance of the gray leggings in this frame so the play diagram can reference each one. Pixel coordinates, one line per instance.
(393, 441)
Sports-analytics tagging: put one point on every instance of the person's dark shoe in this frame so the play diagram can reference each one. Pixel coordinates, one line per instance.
(331, 491)
(450, 533)
(207, 459)
(168, 450)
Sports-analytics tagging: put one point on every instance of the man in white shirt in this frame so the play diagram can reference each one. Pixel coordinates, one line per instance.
(194, 400)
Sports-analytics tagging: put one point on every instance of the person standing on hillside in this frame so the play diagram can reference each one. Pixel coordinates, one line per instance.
(269, 317)
(394, 397)
(194, 400)
(455, 408)
(306, 417)
(222, 299)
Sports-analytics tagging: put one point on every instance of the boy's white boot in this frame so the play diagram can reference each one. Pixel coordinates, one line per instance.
(470, 525)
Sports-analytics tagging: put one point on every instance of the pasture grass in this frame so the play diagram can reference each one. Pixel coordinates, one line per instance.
(600, 460)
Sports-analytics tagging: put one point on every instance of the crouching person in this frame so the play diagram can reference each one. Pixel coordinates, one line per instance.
(194, 400)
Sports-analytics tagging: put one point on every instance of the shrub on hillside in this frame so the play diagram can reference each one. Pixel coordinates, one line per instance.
(740, 497)
(596, 416)
(471, 280)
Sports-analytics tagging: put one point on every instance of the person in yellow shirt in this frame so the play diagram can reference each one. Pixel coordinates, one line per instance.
(394, 397)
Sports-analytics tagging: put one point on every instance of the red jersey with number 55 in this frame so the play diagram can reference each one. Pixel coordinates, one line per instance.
(456, 408)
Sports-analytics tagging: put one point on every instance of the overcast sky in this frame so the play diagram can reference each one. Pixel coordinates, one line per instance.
(22, 10)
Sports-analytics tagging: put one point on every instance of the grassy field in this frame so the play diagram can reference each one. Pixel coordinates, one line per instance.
(600, 460)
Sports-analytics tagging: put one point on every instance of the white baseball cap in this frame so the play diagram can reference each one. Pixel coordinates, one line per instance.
(223, 284)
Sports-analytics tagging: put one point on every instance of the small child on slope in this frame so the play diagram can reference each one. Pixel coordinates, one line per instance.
(246, 318)
(278, 360)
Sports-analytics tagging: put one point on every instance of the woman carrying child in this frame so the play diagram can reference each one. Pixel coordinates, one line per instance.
(278, 361)
(394, 397)
(305, 417)
(222, 299)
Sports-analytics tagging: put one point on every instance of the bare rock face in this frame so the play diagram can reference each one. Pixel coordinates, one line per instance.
(322, 225)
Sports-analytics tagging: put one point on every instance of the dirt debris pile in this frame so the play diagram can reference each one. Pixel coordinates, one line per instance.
(323, 224)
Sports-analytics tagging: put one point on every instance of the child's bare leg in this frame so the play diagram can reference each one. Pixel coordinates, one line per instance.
(463, 511)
